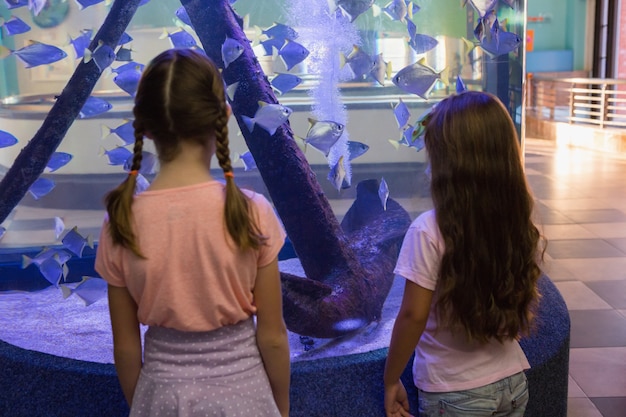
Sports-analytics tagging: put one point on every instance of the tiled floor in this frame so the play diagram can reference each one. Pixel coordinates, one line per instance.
(581, 198)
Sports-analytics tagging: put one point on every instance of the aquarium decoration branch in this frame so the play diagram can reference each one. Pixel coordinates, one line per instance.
(32, 159)
(348, 267)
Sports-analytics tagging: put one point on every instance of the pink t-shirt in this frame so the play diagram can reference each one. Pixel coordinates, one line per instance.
(444, 361)
(194, 277)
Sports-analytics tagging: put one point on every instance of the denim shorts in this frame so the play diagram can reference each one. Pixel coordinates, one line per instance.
(506, 397)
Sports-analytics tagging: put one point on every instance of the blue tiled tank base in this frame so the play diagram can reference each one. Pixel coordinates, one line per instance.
(36, 384)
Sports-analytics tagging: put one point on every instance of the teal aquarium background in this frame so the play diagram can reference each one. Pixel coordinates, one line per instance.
(347, 78)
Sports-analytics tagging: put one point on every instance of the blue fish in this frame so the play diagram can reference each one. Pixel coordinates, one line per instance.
(268, 116)
(500, 43)
(293, 53)
(419, 78)
(75, 242)
(383, 193)
(132, 65)
(35, 54)
(59, 255)
(81, 42)
(83, 4)
(231, 50)
(90, 290)
(41, 187)
(124, 55)
(323, 135)
(356, 149)
(58, 160)
(94, 106)
(142, 184)
(270, 44)
(117, 156)
(52, 270)
(460, 85)
(179, 39)
(354, 8)
(126, 38)
(381, 69)
(149, 163)
(128, 80)
(283, 83)
(360, 62)
(15, 26)
(420, 43)
(125, 131)
(14, 4)
(181, 13)
(7, 139)
(280, 31)
(103, 55)
(248, 161)
(399, 10)
(337, 174)
(401, 111)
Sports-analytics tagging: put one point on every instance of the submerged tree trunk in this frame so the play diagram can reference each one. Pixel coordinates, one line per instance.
(348, 272)
(33, 158)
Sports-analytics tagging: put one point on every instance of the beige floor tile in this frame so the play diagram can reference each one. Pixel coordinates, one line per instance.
(576, 204)
(573, 390)
(567, 231)
(606, 230)
(594, 269)
(599, 372)
(581, 407)
(578, 296)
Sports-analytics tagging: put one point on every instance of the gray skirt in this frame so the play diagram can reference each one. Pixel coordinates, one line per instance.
(216, 373)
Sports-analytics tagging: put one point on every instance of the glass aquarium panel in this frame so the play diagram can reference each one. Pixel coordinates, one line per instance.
(344, 62)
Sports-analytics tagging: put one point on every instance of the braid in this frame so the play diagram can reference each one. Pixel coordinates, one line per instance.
(119, 202)
(237, 215)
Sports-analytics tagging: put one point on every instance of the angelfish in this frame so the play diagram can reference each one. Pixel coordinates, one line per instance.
(268, 116)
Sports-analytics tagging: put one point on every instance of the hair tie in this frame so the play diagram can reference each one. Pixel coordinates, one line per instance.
(229, 174)
(133, 172)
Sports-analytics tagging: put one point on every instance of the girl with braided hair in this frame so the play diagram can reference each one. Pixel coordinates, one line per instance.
(194, 259)
(471, 267)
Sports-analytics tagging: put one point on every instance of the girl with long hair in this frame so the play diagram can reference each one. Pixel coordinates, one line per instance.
(194, 259)
(471, 267)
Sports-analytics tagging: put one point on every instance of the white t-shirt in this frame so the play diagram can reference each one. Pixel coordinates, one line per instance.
(444, 361)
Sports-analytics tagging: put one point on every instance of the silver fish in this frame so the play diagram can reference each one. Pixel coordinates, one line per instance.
(248, 161)
(268, 116)
(482, 6)
(337, 174)
(419, 78)
(231, 50)
(398, 10)
(383, 193)
(90, 290)
(59, 227)
(322, 135)
(460, 85)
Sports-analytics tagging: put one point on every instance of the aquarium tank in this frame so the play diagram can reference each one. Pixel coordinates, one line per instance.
(345, 171)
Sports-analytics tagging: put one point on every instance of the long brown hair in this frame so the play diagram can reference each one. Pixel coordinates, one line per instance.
(490, 266)
(180, 97)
